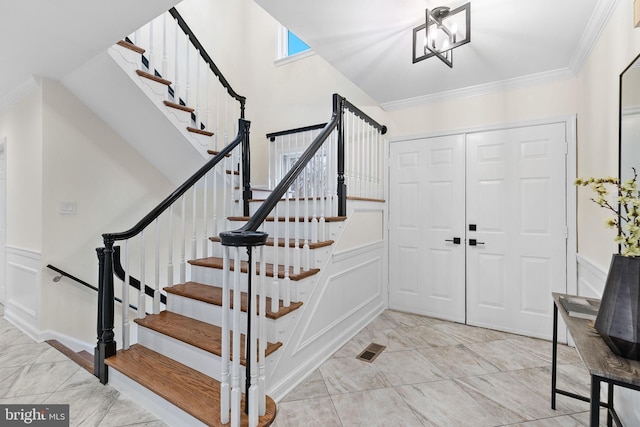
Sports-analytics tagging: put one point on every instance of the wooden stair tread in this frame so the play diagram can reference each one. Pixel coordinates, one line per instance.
(215, 153)
(366, 199)
(199, 334)
(291, 219)
(292, 243)
(153, 77)
(216, 262)
(186, 388)
(200, 131)
(82, 358)
(213, 295)
(131, 46)
(178, 106)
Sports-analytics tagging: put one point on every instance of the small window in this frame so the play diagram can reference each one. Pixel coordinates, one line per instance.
(290, 47)
(294, 44)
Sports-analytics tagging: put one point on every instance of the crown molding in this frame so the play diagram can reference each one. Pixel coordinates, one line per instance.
(21, 90)
(599, 19)
(483, 89)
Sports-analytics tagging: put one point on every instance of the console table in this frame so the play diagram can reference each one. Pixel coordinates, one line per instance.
(602, 364)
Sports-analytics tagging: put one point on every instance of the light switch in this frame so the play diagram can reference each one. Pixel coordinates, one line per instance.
(67, 208)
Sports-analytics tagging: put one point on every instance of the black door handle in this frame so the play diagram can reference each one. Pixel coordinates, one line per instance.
(474, 242)
(455, 240)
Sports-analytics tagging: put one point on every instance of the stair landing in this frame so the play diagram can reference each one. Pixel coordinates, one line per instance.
(190, 390)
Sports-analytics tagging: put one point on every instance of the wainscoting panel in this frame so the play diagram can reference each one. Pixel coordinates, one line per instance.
(23, 289)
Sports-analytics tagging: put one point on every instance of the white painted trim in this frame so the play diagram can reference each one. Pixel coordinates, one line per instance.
(591, 277)
(482, 89)
(3, 258)
(352, 252)
(24, 317)
(20, 91)
(598, 21)
(630, 111)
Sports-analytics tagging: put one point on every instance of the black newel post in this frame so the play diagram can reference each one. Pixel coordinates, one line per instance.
(96, 361)
(342, 187)
(246, 166)
(106, 346)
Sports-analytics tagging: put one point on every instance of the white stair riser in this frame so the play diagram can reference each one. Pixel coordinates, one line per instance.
(213, 276)
(198, 359)
(212, 314)
(316, 257)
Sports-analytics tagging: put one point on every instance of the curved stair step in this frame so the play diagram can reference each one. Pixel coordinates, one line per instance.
(217, 263)
(199, 334)
(190, 390)
(213, 295)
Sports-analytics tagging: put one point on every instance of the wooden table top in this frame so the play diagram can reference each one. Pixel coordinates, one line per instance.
(594, 352)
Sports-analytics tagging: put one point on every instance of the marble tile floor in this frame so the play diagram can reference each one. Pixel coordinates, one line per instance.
(432, 373)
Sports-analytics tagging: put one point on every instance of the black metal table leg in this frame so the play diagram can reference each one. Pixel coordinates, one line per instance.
(554, 361)
(595, 401)
(610, 405)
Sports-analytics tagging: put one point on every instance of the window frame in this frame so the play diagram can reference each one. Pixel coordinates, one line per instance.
(282, 51)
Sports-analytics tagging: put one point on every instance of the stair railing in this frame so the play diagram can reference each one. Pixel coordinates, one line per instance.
(176, 230)
(173, 52)
(317, 178)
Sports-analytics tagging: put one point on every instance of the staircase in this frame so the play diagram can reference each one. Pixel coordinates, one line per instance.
(250, 312)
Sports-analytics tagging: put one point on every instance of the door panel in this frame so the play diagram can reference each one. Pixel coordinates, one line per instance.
(427, 209)
(516, 197)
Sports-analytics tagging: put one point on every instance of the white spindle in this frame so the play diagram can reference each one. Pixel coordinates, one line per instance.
(296, 232)
(170, 249)
(164, 44)
(313, 167)
(151, 50)
(225, 390)
(142, 309)
(176, 83)
(126, 326)
(194, 233)
(205, 217)
(306, 255)
(236, 392)
(252, 361)
(156, 281)
(183, 238)
(187, 79)
(275, 297)
(322, 192)
(262, 342)
(197, 89)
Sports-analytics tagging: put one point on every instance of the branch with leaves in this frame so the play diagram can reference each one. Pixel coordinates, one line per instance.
(627, 211)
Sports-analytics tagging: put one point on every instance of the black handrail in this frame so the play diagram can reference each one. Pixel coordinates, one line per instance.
(106, 344)
(164, 205)
(355, 110)
(273, 135)
(82, 282)
(205, 56)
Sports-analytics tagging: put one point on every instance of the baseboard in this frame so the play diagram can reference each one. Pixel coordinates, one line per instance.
(73, 343)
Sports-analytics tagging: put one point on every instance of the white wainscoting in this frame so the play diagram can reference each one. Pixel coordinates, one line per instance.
(23, 290)
(591, 280)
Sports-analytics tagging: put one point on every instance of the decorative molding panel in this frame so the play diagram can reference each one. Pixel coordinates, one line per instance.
(23, 290)
(591, 277)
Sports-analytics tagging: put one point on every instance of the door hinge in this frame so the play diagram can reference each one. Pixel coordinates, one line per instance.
(566, 232)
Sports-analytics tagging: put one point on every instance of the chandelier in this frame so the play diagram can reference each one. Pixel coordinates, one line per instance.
(444, 30)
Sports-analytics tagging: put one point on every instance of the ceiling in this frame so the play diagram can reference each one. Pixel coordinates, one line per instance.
(369, 41)
(512, 43)
(52, 38)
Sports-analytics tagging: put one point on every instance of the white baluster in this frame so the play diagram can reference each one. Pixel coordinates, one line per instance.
(236, 392)
(262, 343)
(205, 217)
(187, 76)
(176, 83)
(225, 391)
(197, 89)
(142, 306)
(126, 326)
(164, 44)
(275, 296)
(313, 167)
(170, 280)
(194, 234)
(151, 49)
(183, 238)
(322, 190)
(156, 282)
(252, 361)
(306, 253)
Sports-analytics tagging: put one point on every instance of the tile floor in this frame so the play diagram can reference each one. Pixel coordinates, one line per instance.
(432, 373)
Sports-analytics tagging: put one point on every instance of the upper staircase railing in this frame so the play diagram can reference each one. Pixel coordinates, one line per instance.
(173, 52)
(157, 248)
(312, 192)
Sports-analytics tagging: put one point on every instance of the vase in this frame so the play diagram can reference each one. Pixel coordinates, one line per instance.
(618, 322)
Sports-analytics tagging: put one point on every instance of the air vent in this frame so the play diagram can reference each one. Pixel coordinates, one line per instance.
(371, 352)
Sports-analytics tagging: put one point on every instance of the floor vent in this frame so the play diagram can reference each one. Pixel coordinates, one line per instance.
(371, 352)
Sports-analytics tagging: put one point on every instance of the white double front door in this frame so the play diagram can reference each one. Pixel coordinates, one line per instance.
(477, 227)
